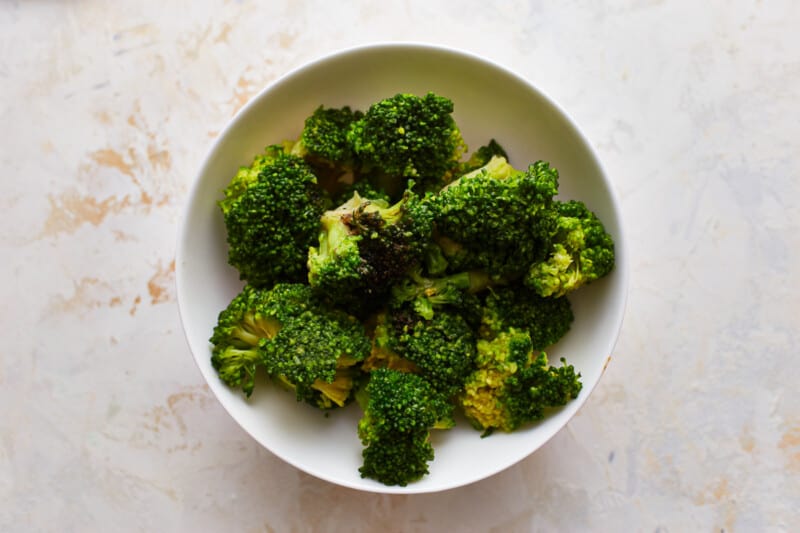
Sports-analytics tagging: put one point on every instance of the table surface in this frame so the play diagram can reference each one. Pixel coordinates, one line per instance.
(107, 111)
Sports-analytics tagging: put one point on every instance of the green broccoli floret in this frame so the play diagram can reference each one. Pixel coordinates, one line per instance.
(581, 252)
(365, 246)
(482, 156)
(442, 349)
(364, 189)
(409, 137)
(252, 316)
(426, 294)
(302, 343)
(323, 142)
(248, 175)
(512, 386)
(272, 219)
(497, 218)
(546, 320)
(237, 336)
(400, 410)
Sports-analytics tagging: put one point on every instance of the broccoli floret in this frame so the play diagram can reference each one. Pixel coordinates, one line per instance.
(364, 189)
(498, 218)
(288, 330)
(248, 175)
(272, 219)
(409, 137)
(400, 410)
(482, 156)
(252, 316)
(581, 252)
(512, 386)
(426, 294)
(323, 144)
(441, 350)
(546, 320)
(365, 246)
(316, 353)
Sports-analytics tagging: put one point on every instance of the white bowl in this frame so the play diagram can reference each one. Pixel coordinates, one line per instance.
(489, 102)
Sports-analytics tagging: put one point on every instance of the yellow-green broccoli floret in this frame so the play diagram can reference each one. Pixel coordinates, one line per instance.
(512, 386)
(581, 252)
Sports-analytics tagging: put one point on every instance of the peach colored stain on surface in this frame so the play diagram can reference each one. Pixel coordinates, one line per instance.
(718, 493)
(70, 210)
(158, 157)
(158, 285)
(224, 31)
(107, 157)
(136, 302)
(88, 293)
(103, 117)
(790, 444)
(746, 440)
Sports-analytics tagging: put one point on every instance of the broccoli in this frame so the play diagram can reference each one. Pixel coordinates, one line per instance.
(365, 246)
(323, 143)
(512, 386)
(364, 189)
(546, 320)
(497, 218)
(408, 137)
(399, 412)
(442, 349)
(426, 294)
(303, 344)
(237, 337)
(482, 156)
(581, 252)
(436, 283)
(271, 213)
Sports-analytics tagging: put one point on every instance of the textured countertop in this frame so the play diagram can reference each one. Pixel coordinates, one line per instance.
(107, 110)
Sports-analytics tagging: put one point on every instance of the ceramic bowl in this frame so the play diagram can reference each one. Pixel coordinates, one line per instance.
(490, 101)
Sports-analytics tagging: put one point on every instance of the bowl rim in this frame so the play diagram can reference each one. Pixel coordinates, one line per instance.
(621, 266)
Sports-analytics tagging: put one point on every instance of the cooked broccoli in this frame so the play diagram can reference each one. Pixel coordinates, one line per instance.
(323, 143)
(512, 386)
(237, 337)
(302, 343)
(482, 156)
(498, 218)
(437, 283)
(366, 245)
(271, 212)
(442, 349)
(581, 252)
(364, 189)
(426, 294)
(400, 410)
(546, 320)
(409, 137)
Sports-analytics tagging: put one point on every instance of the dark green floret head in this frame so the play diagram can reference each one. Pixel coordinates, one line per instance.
(400, 410)
(323, 142)
(581, 252)
(409, 137)
(498, 218)
(546, 320)
(273, 221)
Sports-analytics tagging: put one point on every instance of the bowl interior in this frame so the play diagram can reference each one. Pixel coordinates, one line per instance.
(490, 102)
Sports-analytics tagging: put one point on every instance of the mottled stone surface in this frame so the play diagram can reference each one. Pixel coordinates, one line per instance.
(107, 109)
